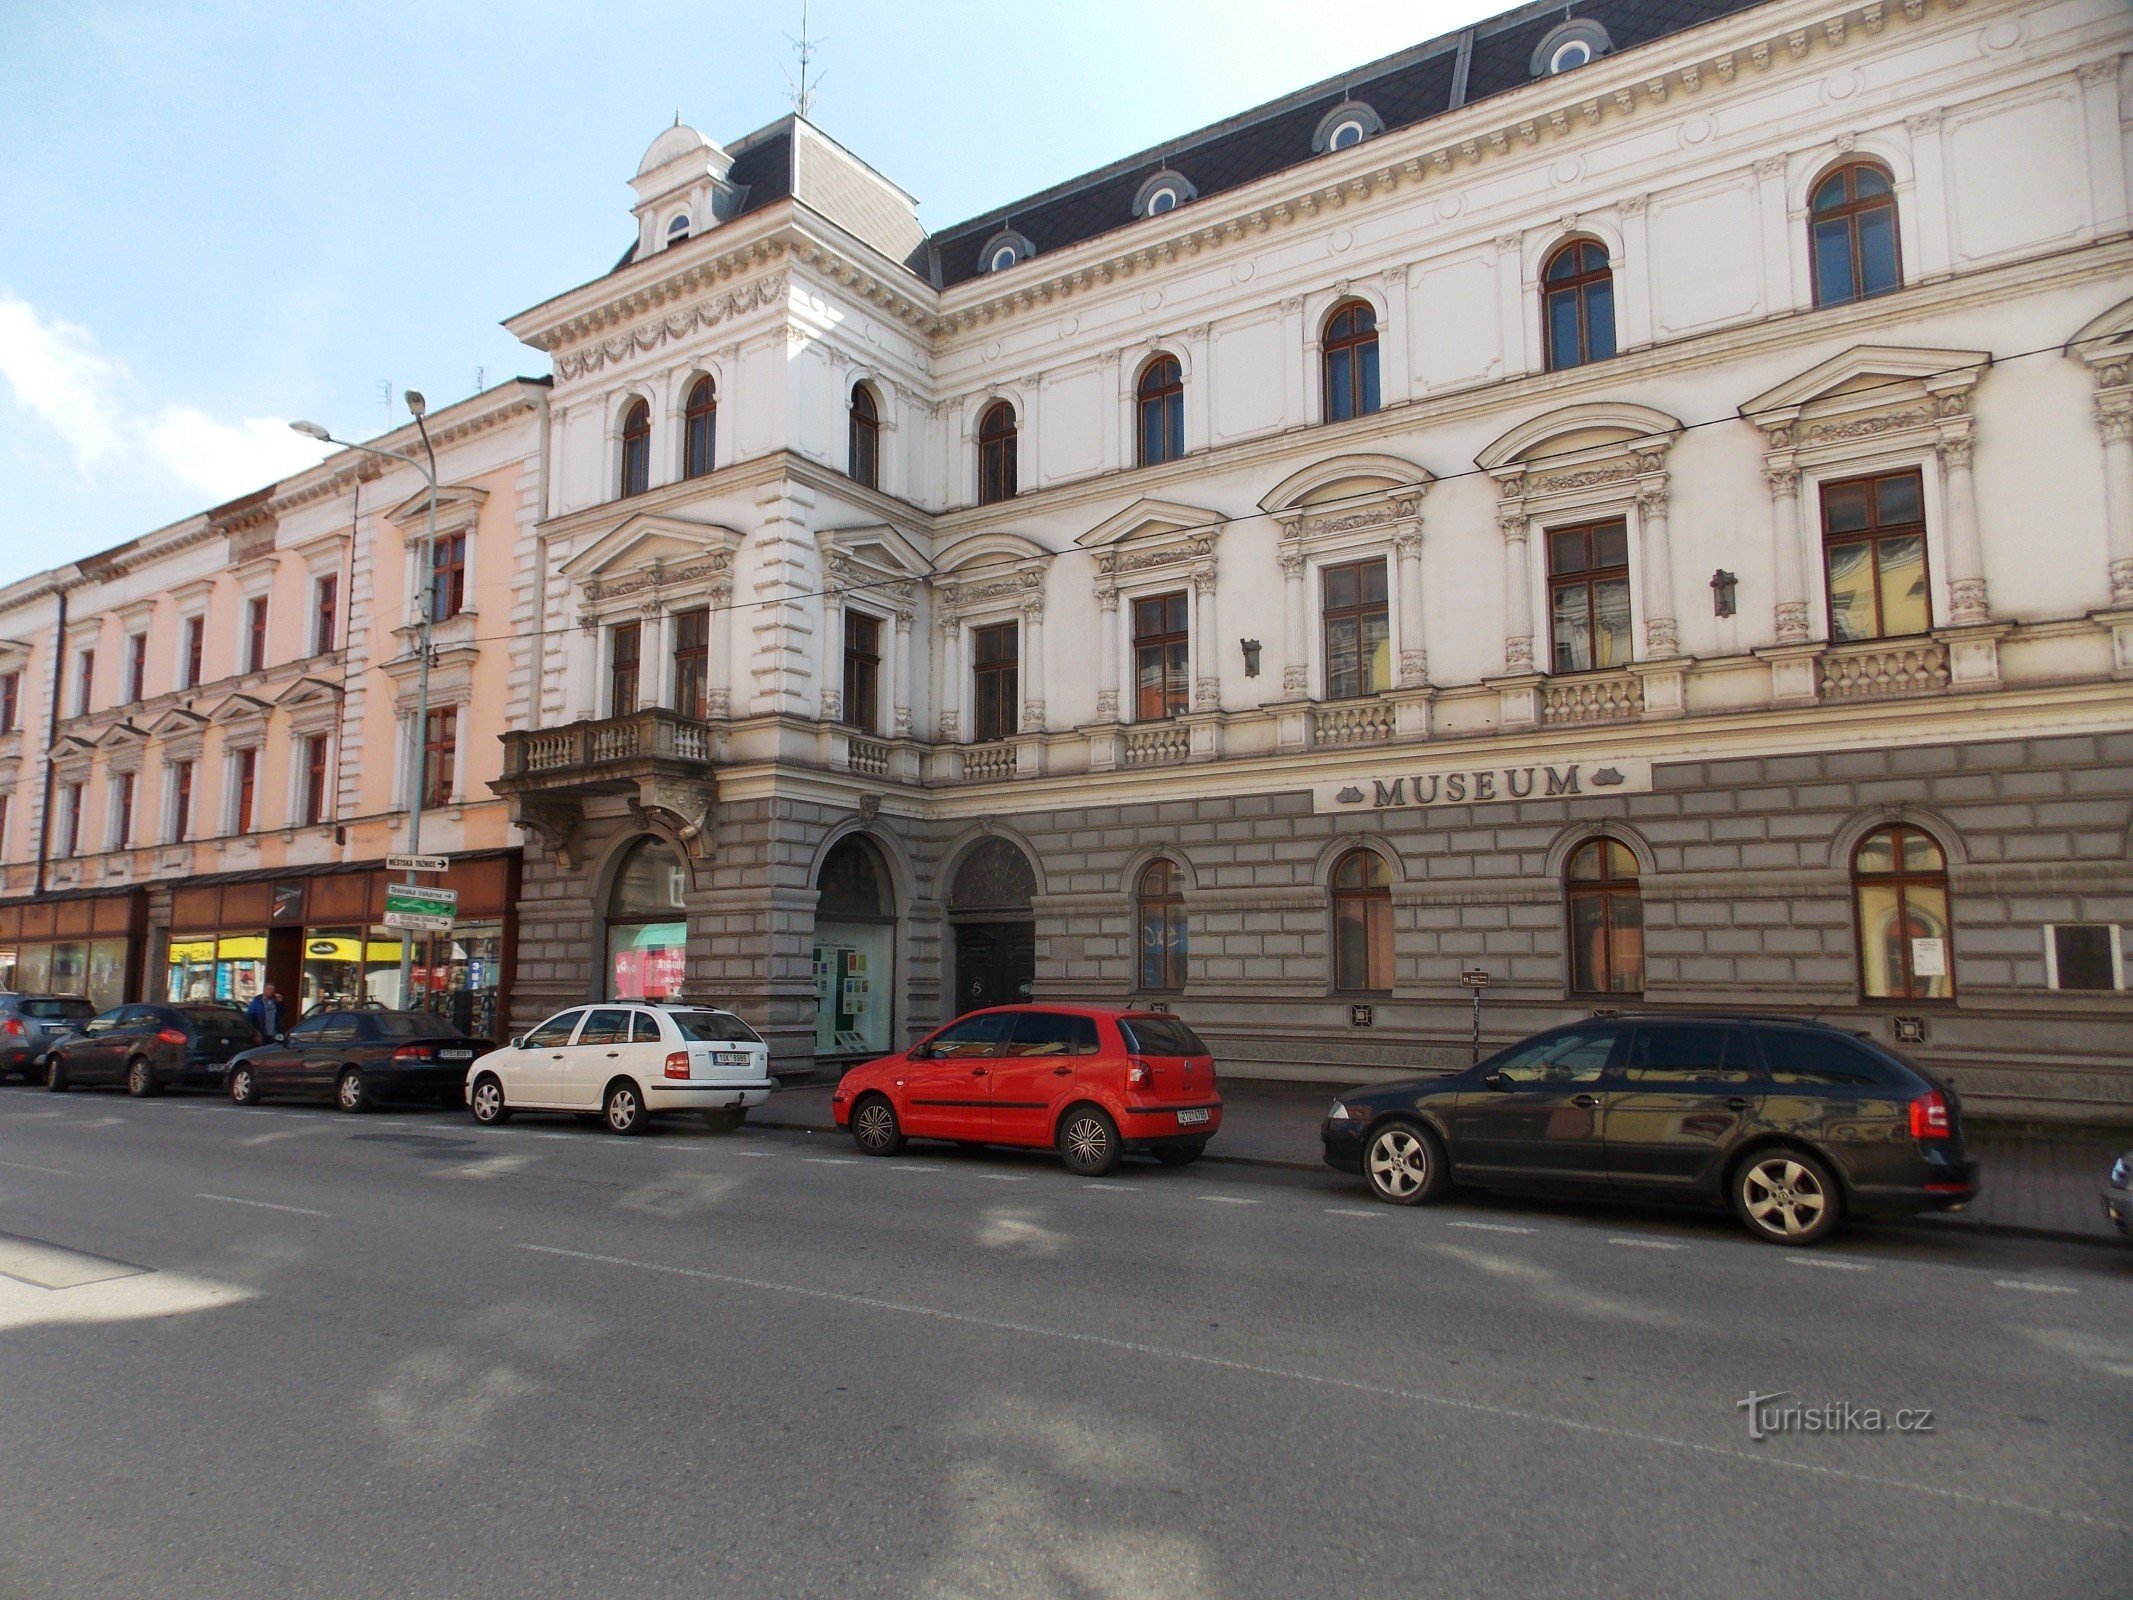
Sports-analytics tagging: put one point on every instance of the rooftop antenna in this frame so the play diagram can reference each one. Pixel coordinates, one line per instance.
(385, 399)
(804, 87)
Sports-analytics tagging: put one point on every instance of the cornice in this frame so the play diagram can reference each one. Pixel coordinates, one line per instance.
(670, 276)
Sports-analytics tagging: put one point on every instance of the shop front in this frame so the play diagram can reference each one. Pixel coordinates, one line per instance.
(854, 952)
(88, 945)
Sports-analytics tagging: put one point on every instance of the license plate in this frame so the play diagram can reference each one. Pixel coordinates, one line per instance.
(455, 1055)
(1187, 1118)
(730, 1058)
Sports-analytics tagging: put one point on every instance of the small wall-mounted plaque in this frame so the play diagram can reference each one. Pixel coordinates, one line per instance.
(1361, 1016)
(1910, 1030)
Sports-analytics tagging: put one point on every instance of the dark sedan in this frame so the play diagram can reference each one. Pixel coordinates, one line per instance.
(30, 1024)
(150, 1048)
(356, 1058)
(1793, 1124)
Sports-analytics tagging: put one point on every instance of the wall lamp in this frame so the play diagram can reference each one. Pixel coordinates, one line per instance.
(1723, 584)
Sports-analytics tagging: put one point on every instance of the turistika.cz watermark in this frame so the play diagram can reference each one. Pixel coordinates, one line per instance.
(1772, 1416)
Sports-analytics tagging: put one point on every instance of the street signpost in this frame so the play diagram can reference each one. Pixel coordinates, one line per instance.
(1476, 980)
(418, 863)
(410, 905)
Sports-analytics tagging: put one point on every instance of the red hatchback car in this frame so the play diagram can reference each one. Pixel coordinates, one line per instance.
(1090, 1083)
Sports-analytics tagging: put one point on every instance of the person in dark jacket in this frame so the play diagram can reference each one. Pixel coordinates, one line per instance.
(264, 1013)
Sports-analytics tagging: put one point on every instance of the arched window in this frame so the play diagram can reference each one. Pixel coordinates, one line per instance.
(647, 927)
(1362, 924)
(1900, 894)
(1162, 200)
(1606, 919)
(699, 429)
(1345, 134)
(678, 229)
(996, 453)
(1162, 928)
(1162, 411)
(1852, 228)
(865, 457)
(1578, 305)
(636, 448)
(1351, 347)
(854, 950)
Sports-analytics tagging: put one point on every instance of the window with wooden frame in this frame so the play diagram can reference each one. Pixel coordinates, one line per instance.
(862, 671)
(1588, 596)
(1852, 235)
(246, 775)
(1578, 305)
(636, 450)
(1160, 406)
(70, 820)
(1351, 361)
(195, 651)
(863, 456)
(1606, 919)
(121, 810)
(1900, 896)
(995, 662)
(1357, 623)
(136, 668)
(326, 615)
(1162, 657)
(699, 431)
(10, 700)
(1362, 924)
(1874, 552)
(1160, 912)
(440, 756)
(181, 801)
(997, 435)
(692, 662)
(625, 646)
(448, 577)
(255, 634)
(84, 682)
(315, 779)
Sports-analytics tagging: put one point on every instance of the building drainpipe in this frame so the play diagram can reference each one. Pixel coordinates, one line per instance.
(346, 623)
(51, 739)
(537, 676)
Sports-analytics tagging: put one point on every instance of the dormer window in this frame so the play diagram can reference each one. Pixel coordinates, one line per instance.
(1163, 190)
(1005, 249)
(1346, 134)
(1345, 126)
(1164, 199)
(1568, 46)
(1003, 258)
(678, 229)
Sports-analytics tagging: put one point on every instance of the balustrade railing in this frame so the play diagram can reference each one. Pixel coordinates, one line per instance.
(1157, 745)
(985, 763)
(1884, 669)
(1615, 697)
(869, 757)
(652, 732)
(1362, 722)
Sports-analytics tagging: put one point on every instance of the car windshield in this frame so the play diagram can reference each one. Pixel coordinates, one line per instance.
(713, 1027)
(412, 1025)
(1160, 1036)
(60, 1008)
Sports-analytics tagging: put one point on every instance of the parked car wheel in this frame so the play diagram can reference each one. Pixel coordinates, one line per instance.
(1088, 1141)
(1180, 1155)
(623, 1108)
(874, 1127)
(1404, 1164)
(1786, 1196)
(487, 1101)
(725, 1119)
(349, 1093)
(140, 1079)
(244, 1086)
(55, 1075)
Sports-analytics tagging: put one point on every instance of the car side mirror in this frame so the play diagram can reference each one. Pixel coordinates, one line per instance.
(518, 1041)
(919, 1052)
(281, 1038)
(1496, 1080)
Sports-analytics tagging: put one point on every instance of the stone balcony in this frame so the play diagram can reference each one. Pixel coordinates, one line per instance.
(663, 762)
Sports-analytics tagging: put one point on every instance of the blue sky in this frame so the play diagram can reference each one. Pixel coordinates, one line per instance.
(214, 218)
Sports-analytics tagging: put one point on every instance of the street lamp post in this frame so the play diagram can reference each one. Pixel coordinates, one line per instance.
(418, 769)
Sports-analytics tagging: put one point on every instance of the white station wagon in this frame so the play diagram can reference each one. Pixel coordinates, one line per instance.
(627, 1062)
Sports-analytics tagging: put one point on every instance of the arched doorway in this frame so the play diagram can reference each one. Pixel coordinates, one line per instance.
(647, 925)
(855, 951)
(989, 905)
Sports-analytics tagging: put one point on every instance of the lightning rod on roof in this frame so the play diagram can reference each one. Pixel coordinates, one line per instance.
(803, 88)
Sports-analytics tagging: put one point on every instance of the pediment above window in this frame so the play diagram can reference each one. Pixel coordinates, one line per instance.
(311, 704)
(992, 574)
(1349, 496)
(71, 757)
(650, 552)
(239, 710)
(877, 562)
(458, 509)
(1868, 391)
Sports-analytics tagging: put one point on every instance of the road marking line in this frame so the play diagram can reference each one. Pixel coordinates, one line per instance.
(2029, 1287)
(1351, 1211)
(1227, 1200)
(1830, 1266)
(831, 1161)
(752, 1155)
(24, 1166)
(1008, 1177)
(1111, 1188)
(1491, 1227)
(1647, 1244)
(35, 1116)
(280, 1133)
(1755, 1459)
(263, 1205)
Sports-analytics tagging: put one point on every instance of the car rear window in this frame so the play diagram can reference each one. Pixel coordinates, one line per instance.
(713, 1027)
(411, 1025)
(1802, 1056)
(213, 1022)
(69, 1010)
(1160, 1036)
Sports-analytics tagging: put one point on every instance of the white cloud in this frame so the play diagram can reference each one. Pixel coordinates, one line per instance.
(58, 375)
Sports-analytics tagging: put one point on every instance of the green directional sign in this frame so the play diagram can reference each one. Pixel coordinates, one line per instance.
(409, 905)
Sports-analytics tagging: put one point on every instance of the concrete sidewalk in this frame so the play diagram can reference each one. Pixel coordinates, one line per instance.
(2032, 1180)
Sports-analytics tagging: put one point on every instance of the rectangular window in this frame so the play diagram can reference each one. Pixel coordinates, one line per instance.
(2084, 955)
(692, 662)
(1358, 630)
(1162, 664)
(862, 670)
(255, 634)
(624, 646)
(440, 755)
(181, 801)
(137, 668)
(10, 700)
(121, 810)
(314, 779)
(1874, 543)
(84, 682)
(326, 616)
(448, 577)
(4, 798)
(247, 775)
(70, 820)
(1588, 596)
(195, 651)
(995, 677)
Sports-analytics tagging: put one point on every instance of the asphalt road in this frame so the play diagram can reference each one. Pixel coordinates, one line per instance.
(292, 1352)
